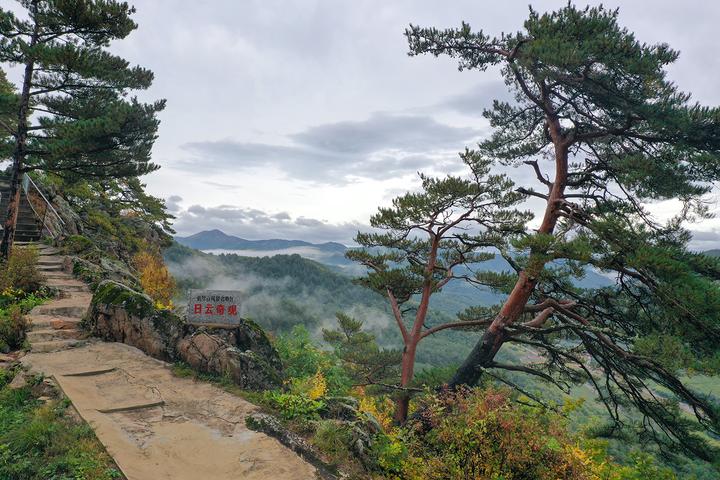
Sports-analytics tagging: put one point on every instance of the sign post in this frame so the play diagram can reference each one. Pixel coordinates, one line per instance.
(214, 308)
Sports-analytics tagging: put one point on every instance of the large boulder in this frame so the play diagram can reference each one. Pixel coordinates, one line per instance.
(242, 353)
(121, 314)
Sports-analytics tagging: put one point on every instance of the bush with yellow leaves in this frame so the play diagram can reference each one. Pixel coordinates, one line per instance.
(155, 278)
(482, 435)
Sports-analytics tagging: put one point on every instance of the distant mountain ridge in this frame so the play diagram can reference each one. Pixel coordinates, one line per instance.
(333, 254)
(219, 240)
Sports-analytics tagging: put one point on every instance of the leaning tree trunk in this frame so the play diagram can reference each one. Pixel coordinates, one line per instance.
(18, 156)
(483, 354)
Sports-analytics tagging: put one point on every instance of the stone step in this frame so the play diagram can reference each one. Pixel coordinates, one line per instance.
(27, 224)
(75, 311)
(58, 275)
(67, 284)
(55, 322)
(55, 345)
(28, 237)
(53, 267)
(51, 334)
(49, 257)
(50, 260)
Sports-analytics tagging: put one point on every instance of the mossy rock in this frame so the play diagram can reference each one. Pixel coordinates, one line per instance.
(110, 292)
(75, 244)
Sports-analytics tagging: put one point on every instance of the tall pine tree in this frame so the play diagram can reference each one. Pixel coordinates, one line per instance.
(73, 113)
(604, 132)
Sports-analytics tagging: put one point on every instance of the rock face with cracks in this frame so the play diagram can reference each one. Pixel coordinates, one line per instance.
(243, 354)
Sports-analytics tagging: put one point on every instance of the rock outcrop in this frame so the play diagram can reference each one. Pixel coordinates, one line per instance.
(243, 354)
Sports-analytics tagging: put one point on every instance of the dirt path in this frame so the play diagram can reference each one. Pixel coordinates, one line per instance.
(155, 425)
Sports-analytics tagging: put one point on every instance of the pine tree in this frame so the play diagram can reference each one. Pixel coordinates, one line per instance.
(73, 116)
(8, 101)
(365, 362)
(594, 108)
(425, 237)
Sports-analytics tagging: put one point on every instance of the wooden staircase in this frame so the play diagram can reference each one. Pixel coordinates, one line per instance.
(28, 225)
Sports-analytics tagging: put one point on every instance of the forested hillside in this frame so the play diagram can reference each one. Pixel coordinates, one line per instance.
(285, 291)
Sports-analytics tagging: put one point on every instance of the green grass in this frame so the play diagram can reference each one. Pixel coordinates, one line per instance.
(41, 441)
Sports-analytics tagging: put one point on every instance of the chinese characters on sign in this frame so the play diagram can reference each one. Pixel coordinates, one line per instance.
(214, 307)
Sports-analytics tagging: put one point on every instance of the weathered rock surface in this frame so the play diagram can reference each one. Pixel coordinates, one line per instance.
(94, 273)
(262, 422)
(244, 354)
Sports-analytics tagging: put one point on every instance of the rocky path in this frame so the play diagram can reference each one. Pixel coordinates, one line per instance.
(155, 425)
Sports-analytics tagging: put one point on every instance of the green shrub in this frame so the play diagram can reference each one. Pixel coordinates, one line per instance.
(6, 376)
(295, 407)
(77, 244)
(333, 438)
(12, 329)
(20, 271)
(389, 453)
(24, 301)
(302, 359)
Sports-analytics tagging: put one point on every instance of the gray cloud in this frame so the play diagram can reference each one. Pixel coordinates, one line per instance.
(173, 203)
(383, 146)
(477, 99)
(256, 224)
(705, 240)
(384, 131)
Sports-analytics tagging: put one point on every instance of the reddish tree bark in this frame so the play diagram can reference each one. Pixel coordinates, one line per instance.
(483, 354)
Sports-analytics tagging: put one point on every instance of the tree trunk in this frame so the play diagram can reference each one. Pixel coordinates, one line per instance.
(485, 350)
(18, 155)
(483, 354)
(406, 376)
(11, 213)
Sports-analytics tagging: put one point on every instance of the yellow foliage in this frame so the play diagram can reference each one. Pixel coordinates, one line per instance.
(571, 405)
(164, 306)
(155, 278)
(318, 386)
(313, 387)
(380, 408)
(11, 292)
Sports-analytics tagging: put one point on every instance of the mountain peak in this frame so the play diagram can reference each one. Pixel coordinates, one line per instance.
(216, 239)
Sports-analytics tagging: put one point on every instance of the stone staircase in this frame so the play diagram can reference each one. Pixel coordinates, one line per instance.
(28, 225)
(56, 325)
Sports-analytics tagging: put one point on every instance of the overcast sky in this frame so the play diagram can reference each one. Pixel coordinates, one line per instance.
(297, 118)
